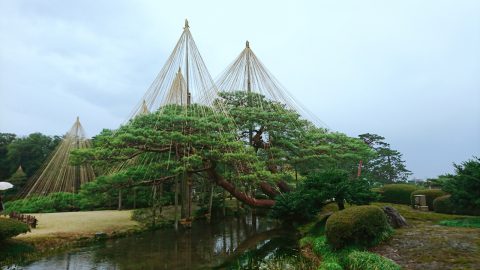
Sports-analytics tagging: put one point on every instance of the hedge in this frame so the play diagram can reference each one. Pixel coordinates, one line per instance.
(54, 202)
(444, 205)
(430, 195)
(11, 227)
(398, 193)
(361, 226)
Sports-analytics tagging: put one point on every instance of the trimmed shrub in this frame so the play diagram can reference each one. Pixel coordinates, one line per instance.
(54, 202)
(445, 205)
(11, 227)
(397, 193)
(379, 192)
(361, 226)
(363, 260)
(430, 195)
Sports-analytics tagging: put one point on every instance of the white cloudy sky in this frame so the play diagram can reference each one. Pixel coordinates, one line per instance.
(407, 70)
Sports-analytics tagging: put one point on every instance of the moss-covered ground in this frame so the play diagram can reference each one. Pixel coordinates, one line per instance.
(432, 241)
(426, 244)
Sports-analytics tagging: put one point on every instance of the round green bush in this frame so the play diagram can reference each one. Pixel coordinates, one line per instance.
(430, 195)
(11, 227)
(397, 193)
(362, 226)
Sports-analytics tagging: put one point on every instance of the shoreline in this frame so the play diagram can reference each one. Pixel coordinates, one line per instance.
(57, 232)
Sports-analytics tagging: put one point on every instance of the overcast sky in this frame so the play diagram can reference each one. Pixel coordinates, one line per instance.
(407, 70)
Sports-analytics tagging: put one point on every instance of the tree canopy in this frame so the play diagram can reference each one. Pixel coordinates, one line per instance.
(28, 152)
(258, 141)
(464, 186)
(386, 166)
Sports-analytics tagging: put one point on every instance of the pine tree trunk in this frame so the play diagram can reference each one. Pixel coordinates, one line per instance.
(241, 196)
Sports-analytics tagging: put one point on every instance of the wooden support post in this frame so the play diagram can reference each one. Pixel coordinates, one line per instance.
(120, 199)
(189, 190)
(210, 202)
(176, 203)
(134, 198)
(184, 197)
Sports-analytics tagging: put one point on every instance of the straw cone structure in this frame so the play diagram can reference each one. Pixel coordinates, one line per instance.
(184, 79)
(56, 174)
(248, 73)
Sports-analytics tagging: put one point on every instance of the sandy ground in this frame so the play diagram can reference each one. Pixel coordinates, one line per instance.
(81, 223)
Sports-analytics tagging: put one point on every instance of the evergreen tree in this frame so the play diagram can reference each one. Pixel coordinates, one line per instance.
(464, 186)
(18, 180)
(6, 167)
(31, 151)
(386, 166)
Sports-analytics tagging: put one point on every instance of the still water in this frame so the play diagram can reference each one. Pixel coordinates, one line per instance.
(244, 242)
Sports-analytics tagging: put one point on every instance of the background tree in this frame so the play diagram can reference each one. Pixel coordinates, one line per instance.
(6, 167)
(464, 186)
(439, 182)
(31, 151)
(18, 180)
(386, 166)
(320, 188)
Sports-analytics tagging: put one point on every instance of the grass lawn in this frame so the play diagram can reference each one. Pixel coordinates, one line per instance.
(467, 223)
(56, 231)
(80, 223)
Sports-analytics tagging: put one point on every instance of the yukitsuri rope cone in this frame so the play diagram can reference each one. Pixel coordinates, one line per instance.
(56, 174)
(248, 73)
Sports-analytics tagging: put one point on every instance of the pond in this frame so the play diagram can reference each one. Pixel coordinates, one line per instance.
(248, 242)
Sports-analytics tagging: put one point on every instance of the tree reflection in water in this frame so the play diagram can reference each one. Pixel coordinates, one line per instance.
(223, 244)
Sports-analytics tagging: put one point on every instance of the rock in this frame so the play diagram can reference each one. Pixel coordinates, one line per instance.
(394, 218)
(100, 235)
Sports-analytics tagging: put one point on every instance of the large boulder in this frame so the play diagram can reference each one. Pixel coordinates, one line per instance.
(394, 218)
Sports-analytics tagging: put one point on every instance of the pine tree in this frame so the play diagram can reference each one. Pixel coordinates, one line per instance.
(387, 165)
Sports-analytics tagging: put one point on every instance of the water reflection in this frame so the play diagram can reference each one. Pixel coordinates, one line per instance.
(204, 246)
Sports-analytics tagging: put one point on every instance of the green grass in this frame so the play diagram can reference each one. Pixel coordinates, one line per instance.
(363, 260)
(466, 223)
(424, 244)
(349, 258)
